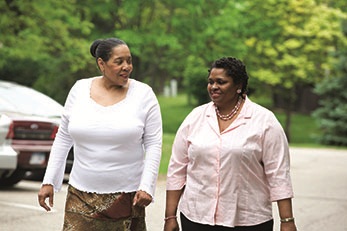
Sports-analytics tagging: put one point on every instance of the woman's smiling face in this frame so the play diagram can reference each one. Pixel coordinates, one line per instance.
(221, 87)
(119, 67)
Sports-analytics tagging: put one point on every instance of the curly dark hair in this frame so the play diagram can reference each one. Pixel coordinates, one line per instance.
(235, 69)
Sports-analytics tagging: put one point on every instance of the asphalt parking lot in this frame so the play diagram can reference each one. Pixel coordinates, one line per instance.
(319, 178)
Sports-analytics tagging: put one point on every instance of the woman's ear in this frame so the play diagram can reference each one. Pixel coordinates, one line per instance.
(100, 63)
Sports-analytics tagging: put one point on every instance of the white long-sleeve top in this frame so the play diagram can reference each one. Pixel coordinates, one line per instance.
(116, 148)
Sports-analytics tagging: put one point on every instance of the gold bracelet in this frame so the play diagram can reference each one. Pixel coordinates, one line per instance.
(286, 220)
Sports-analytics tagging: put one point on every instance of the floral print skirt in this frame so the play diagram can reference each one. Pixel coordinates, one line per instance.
(106, 212)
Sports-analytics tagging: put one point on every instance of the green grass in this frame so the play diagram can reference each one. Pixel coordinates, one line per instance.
(168, 139)
(304, 129)
(173, 111)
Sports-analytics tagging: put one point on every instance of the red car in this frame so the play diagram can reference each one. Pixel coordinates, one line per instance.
(33, 122)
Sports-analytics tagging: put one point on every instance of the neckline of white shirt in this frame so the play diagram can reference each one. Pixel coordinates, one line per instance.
(99, 106)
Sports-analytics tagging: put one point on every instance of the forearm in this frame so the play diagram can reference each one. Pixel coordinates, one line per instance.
(172, 199)
(286, 214)
(285, 208)
(150, 172)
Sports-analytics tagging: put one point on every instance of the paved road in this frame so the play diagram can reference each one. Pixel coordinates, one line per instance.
(320, 185)
(319, 178)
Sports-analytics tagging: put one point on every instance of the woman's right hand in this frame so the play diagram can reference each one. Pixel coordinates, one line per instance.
(171, 225)
(46, 191)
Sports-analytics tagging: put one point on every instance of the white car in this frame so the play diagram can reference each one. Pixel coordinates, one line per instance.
(28, 125)
(8, 156)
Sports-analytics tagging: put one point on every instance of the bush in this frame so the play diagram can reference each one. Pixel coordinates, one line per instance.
(332, 113)
(195, 81)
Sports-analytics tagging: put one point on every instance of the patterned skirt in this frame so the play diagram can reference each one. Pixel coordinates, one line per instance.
(106, 212)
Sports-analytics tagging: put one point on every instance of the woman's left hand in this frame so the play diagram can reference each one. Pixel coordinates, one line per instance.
(142, 199)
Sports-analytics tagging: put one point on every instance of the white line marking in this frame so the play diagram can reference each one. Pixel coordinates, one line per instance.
(26, 206)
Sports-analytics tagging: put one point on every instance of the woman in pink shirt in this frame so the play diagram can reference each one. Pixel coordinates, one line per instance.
(230, 161)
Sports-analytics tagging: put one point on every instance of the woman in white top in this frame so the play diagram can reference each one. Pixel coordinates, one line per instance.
(114, 125)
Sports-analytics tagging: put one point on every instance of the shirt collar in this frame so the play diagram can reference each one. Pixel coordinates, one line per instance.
(247, 110)
(245, 114)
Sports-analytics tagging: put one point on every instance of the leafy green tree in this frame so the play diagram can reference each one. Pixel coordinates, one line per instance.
(45, 43)
(342, 5)
(42, 44)
(165, 35)
(292, 45)
(196, 81)
(206, 31)
(332, 113)
(145, 27)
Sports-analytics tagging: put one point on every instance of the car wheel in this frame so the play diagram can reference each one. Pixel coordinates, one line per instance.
(36, 175)
(9, 179)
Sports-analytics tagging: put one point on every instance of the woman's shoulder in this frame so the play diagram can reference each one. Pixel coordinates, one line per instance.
(83, 84)
(260, 112)
(257, 108)
(200, 110)
(197, 114)
(86, 80)
(141, 90)
(202, 107)
(80, 87)
(138, 85)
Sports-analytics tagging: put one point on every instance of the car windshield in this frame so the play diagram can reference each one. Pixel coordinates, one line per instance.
(20, 99)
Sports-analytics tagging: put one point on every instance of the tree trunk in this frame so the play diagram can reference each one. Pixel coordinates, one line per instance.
(291, 97)
(288, 121)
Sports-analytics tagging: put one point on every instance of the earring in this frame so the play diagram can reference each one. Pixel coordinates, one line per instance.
(238, 91)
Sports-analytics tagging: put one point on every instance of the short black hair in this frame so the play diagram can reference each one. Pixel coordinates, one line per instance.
(235, 69)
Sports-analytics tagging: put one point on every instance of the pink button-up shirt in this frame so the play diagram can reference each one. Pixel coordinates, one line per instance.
(232, 177)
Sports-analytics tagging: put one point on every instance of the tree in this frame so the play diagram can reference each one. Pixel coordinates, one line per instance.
(206, 31)
(291, 46)
(332, 113)
(164, 36)
(41, 44)
(45, 43)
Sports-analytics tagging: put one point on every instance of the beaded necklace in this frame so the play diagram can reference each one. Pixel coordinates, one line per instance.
(231, 114)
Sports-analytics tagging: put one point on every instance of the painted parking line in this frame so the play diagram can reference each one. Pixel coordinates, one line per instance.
(24, 206)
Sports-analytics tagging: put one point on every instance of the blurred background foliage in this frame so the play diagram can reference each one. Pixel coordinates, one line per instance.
(292, 48)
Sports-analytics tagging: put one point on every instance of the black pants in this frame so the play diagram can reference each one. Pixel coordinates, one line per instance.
(188, 225)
